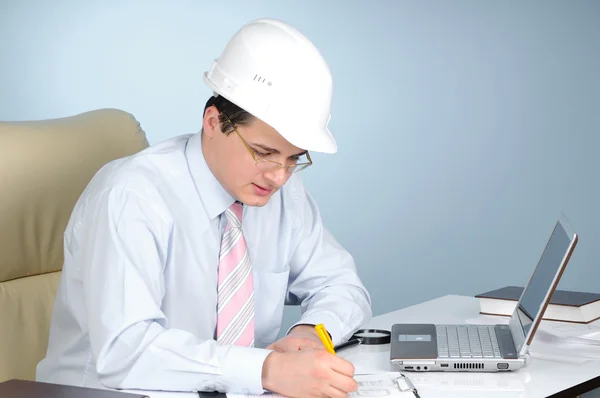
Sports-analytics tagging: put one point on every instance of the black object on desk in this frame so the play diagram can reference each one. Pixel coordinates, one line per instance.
(367, 337)
(36, 389)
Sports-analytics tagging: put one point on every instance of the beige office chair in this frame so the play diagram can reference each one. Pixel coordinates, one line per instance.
(44, 167)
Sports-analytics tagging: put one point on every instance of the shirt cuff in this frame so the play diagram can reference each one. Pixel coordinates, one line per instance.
(332, 324)
(242, 369)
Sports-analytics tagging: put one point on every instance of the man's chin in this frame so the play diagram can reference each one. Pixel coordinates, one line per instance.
(258, 203)
(255, 200)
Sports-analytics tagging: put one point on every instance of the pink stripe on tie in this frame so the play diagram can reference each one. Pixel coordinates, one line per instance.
(235, 301)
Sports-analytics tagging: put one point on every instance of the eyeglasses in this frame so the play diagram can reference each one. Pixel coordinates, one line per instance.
(270, 165)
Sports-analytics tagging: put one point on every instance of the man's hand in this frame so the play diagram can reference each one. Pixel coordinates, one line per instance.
(301, 337)
(308, 373)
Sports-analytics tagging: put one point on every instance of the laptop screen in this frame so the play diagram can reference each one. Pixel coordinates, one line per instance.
(533, 297)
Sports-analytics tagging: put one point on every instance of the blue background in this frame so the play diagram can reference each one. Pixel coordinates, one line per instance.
(464, 127)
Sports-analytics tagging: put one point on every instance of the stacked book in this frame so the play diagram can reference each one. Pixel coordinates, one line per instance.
(565, 305)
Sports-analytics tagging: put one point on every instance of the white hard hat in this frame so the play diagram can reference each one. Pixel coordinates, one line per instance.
(273, 71)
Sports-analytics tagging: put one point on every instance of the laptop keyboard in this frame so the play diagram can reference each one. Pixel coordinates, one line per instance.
(467, 341)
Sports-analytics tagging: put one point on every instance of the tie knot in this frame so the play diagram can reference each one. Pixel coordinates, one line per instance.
(234, 215)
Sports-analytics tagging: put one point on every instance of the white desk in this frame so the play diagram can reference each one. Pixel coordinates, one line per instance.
(540, 378)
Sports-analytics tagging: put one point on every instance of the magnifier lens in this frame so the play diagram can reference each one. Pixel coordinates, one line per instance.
(370, 335)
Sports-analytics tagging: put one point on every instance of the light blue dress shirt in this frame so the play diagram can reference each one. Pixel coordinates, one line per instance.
(136, 305)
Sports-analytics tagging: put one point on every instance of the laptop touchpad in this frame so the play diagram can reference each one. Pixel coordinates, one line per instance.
(413, 341)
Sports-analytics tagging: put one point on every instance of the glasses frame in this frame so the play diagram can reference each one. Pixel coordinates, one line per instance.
(290, 168)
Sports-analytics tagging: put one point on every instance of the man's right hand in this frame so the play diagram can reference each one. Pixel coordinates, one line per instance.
(308, 373)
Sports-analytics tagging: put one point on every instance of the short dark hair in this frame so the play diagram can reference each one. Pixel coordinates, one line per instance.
(237, 115)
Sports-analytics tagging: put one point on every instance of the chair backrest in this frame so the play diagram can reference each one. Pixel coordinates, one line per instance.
(44, 167)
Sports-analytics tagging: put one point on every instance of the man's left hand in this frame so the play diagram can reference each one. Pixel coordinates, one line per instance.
(301, 337)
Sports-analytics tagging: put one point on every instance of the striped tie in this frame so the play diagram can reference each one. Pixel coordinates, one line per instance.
(235, 299)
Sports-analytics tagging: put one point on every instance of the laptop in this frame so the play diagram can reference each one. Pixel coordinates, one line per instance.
(487, 348)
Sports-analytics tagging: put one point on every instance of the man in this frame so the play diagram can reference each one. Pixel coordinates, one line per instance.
(179, 259)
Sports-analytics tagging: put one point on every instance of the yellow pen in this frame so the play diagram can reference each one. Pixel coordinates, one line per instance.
(325, 339)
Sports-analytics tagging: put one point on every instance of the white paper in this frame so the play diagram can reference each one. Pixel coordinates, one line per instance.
(575, 354)
(569, 333)
(378, 385)
(565, 345)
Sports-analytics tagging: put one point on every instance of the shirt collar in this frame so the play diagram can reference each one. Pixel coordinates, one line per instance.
(212, 194)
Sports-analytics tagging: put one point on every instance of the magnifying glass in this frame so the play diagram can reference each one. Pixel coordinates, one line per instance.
(367, 337)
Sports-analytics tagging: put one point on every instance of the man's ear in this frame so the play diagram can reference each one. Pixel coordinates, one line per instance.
(210, 123)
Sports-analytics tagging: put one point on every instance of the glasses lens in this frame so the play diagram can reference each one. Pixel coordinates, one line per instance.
(299, 167)
(300, 163)
(293, 167)
(267, 165)
(299, 160)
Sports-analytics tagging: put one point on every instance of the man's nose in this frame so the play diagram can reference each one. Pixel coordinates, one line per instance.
(278, 177)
